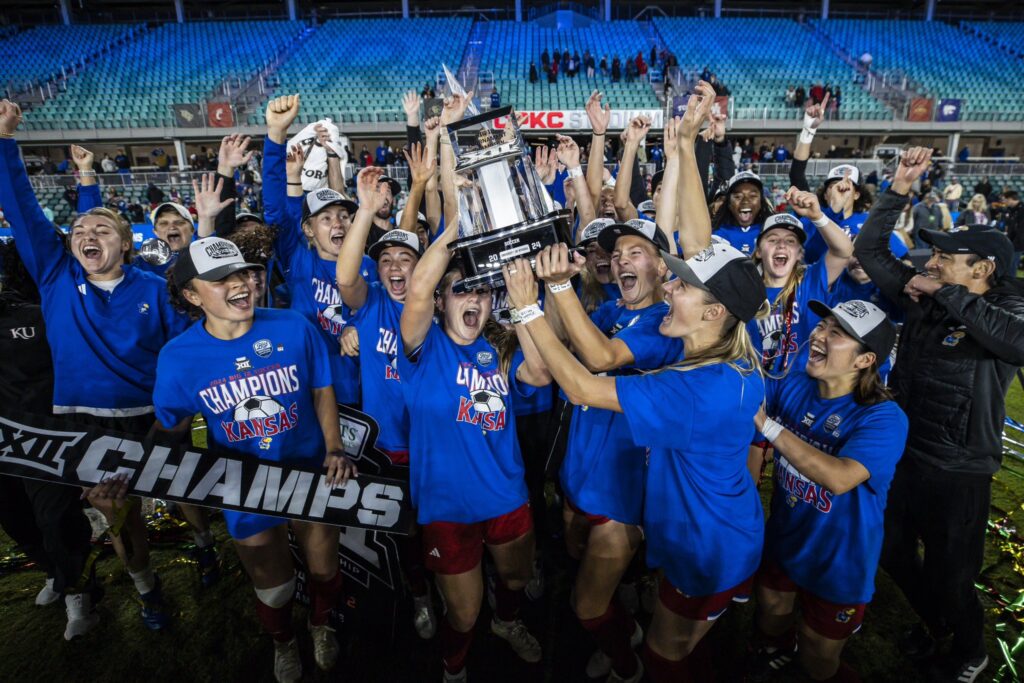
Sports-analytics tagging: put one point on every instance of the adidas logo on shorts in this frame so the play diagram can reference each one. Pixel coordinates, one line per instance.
(435, 553)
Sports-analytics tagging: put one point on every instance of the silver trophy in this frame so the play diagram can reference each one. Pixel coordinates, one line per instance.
(155, 251)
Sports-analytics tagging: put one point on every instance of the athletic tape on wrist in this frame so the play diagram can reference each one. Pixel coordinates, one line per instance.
(556, 287)
(528, 314)
(771, 429)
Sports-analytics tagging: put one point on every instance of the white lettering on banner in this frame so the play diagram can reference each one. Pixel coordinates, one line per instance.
(577, 119)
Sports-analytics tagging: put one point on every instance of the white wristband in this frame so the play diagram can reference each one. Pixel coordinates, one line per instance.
(556, 287)
(807, 136)
(771, 429)
(576, 172)
(820, 222)
(526, 314)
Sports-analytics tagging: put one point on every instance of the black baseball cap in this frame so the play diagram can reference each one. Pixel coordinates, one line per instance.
(981, 240)
(594, 229)
(395, 238)
(635, 226)
(783, 221)
(318, 200)
(210, 259)
(863, 321)
(247, 216)
(727, 273)
(396, 187)
(656, 180)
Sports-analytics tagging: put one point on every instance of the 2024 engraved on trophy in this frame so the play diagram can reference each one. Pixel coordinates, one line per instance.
(505, 212)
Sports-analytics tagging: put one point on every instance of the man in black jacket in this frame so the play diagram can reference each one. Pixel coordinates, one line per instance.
(961, 344)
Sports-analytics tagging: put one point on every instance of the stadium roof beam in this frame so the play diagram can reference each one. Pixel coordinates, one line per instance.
(179, 10)
(65, 12)
(824, 10)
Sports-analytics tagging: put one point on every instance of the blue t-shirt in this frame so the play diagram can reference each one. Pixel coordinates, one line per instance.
(848, 289)
(311, 280)
(815, 247)
(256, 393)
(377, 323)
(464, 459)
(830, 544)
(702, 514)
(744, 239)
(603, 470)
(781, 337)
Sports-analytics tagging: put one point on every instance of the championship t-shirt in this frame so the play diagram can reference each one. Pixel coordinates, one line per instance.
(603, 470)
(256, 393)
(702, 516)
(782, 336)
(744, 239)
(830, 544)
(815, 247)
(377, 323)
(464, 459)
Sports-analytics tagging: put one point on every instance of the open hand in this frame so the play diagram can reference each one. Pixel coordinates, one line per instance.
(568, 151)
(10, 117)
(421, 164)
(599, 116)
(339, 469)
(233, 150)
(369, 189)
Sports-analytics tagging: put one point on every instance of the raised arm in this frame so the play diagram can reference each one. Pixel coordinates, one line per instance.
(872, 249)
(281, 111)
(579, 385)
(814, 114)
(454, 109)
(840, 246)
(209, 205)
(666, 205)
(34, 237)
(422, 168)
(695, 228)
(599, 117)
(234, 153)
(411, 105)
(351, 284)
(432, 198)
(725, 166)
(635, 134)
(88, 189)
(568, 153)
(556, 265)
(418, 313)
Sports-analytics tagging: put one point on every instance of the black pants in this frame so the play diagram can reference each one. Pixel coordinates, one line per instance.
(535, 433)
(65, 529)
(19, 523)
(947, 513)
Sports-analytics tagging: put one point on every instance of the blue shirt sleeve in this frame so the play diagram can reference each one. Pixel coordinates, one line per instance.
(88, 198)
(275, 201)
(649, 348)
(37, 242)
(878, 441)
(172, 403)
(316, 354)
(652, 401)
(520, 389)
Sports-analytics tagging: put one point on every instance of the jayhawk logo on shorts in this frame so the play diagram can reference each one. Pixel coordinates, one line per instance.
(843, 616)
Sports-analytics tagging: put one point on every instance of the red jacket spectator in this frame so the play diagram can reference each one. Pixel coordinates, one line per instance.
(641, 65)
(817, 93)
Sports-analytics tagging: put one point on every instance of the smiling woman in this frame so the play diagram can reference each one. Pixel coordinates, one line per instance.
(101, 240)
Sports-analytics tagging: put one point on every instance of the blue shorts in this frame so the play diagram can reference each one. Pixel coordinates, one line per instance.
(246, 524)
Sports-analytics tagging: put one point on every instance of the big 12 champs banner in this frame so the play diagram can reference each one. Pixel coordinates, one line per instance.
(50, 449)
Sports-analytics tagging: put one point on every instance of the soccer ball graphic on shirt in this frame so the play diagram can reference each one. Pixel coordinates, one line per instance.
(334, 314)
(256, 407)
(486, 401)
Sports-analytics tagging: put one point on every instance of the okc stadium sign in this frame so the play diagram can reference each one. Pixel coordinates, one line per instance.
(576, 119)
(51, 450)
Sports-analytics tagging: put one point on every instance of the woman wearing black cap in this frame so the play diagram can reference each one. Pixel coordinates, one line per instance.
(236, 354)
(702, 517)
(837, 435)
(603, 472)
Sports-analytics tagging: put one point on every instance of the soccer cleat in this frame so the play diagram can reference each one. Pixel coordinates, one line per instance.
(917, 644)
(47, 596)
(599, 665)
(287, 663)
(460, 677)
(953, 671)
(209, 564)
(635, 678)
(325, 646)
(769, 661)
(423, 619)
(515, 634)
(81, 616)
(154, 610)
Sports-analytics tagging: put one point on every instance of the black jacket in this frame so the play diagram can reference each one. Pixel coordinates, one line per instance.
(1013, 218)
(958, 353)
(26, 369)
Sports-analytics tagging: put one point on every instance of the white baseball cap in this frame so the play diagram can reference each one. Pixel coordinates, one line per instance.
(839, 172)
(174, 206)
(210, 259)
(395, 238)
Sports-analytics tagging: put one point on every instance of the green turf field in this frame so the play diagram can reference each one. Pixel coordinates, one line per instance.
(215, 636)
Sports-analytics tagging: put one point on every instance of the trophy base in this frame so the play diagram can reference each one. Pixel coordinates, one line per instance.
(483, 256)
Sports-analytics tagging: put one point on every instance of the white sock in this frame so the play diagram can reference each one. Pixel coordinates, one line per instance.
(203, 539)
(145, 580)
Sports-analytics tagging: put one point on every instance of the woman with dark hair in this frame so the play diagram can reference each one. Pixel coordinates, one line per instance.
(739, 218)
(237, 352)
(837, 435)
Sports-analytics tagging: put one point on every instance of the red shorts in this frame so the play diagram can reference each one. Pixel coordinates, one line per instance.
(595, 520)
(702, 607)
(399, 458)
(830, 619)
(454, 548)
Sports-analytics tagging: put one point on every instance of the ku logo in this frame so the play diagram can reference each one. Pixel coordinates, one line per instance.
(23, 332)
(954, 338)
(843, 616)
(144, 308)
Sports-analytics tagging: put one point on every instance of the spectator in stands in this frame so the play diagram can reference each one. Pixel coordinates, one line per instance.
(565, 60)
(631, 72)
(576, 63)
(616, 69)
(952, 193)
(790, 96)
(837, 100)
(817, 93)
(545, 59)
(64, 166)
(927, 216)
(1012, 218)
(588, 63)
(719, 87)
(654, 56)
(495, 99)
(641, 65)
(154, 195)
(381, 154)
(799, 96)
(211, 160)
(983, 187)
(975, 213)
(160, 159)
(364, 157)
(604, 66)
(108, 165)
(533, 72)
(964, 155)
(706, 75)
(136, 214)
(553, 72)
(781, 153)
